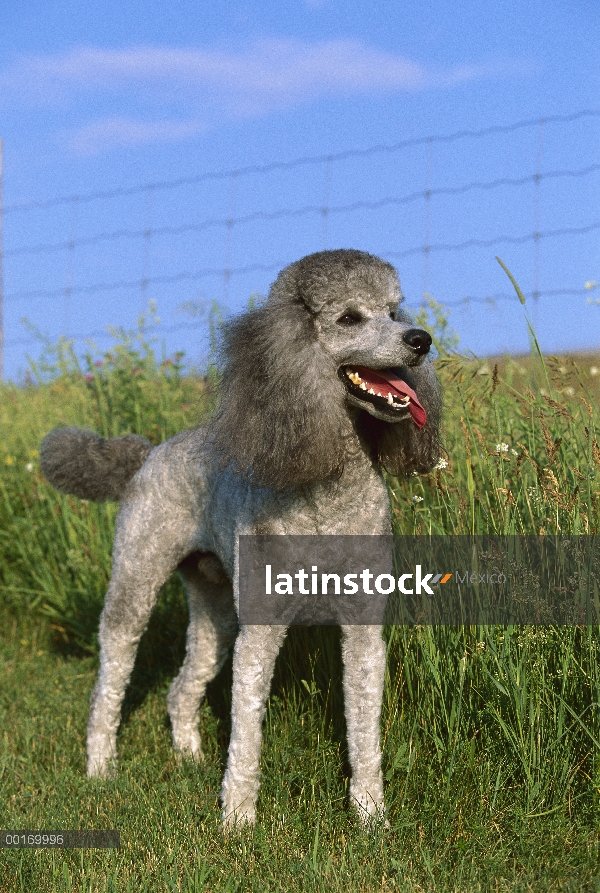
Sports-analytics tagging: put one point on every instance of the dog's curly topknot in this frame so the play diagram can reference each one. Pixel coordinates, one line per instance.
(79, 462)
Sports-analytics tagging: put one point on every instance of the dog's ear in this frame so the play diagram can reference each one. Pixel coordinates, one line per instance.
(281, 416)
(403, 448)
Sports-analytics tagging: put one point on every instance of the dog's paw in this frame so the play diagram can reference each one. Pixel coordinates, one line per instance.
(236, 819)
(372, 821)
(188, 756)
(369, 805)
(185, 735)
(102, 768)
(239, 804)
(102, 756)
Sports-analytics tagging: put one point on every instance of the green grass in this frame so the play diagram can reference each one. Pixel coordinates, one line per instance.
(491, 735)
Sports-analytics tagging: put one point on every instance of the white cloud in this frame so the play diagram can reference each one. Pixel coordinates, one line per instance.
(270, 71)
(115, 133)
(211, 85)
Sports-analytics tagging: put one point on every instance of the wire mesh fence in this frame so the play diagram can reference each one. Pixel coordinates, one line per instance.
(438, 207)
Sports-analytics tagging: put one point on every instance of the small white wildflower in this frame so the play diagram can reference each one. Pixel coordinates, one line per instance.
(29, 466)
(502, 448)
(417, 499)
(594, 370)
(514, 452)
(569, 392)
(442, 463)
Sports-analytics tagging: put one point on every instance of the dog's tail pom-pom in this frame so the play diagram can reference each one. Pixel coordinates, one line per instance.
(79, 462)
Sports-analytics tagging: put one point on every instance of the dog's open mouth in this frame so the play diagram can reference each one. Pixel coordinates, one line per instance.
(384, 389)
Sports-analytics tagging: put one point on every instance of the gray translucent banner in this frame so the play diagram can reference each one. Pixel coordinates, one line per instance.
(60, 839)
(330, 580)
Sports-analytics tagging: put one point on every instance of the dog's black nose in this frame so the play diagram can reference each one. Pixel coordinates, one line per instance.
(418, 339)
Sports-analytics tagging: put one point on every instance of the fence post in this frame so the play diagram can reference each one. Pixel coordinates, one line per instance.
(1, 268)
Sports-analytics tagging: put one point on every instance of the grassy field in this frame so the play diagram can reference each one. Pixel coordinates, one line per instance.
(491, 734)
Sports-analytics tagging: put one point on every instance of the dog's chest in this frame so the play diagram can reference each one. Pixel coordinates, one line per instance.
(359, 507)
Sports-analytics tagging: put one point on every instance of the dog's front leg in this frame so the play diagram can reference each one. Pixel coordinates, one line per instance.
(254, 656)
(364, 655)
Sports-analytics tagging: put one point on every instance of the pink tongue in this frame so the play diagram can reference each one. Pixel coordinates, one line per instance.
(384, 382)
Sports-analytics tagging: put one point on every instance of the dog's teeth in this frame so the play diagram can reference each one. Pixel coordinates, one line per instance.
(390, 399)
(353, 376)
(371, 391)
(363, 386)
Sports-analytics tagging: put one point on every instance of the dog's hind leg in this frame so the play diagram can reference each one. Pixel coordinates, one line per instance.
(144, 556)
(211, 630)
(364, 653)
(254, 656)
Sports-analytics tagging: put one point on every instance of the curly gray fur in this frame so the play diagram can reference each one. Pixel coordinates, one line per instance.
(293, 393)
(292, 449)
(79, 462)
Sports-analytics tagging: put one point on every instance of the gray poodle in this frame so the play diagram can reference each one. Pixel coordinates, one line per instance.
(324, 386)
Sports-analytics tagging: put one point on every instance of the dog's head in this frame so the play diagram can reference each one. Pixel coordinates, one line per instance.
(330, 348)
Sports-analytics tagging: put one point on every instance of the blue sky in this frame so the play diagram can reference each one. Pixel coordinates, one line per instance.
(107, 96)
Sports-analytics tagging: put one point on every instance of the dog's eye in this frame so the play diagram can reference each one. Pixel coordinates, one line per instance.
(349, 319)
